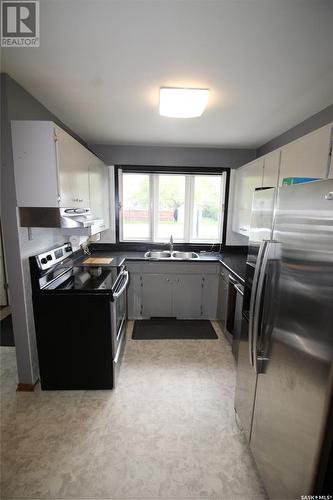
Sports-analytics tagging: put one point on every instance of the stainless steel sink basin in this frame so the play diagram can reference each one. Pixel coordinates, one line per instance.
(165, 254)
(158, 254)
(185, 255)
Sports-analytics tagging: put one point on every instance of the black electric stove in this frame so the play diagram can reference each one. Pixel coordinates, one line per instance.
(80, 320)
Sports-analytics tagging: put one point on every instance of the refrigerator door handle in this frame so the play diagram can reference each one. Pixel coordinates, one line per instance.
(270, 253)
(256, 276)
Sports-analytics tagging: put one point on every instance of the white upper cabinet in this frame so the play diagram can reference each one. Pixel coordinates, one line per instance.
(330, 173)
(99, 190)
(247, 179)
(307, 156)
(271, 169)
(73, 162)
(52, 169)
(35, 164)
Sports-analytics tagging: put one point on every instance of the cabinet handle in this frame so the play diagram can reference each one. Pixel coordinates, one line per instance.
(242, 229)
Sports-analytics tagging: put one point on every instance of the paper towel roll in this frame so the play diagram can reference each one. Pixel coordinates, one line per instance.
(77, 241)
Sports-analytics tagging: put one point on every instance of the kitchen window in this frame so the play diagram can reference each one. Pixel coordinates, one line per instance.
(152, 207)
(135, 190)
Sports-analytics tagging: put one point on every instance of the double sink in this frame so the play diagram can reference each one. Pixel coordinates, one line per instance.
(166, 254)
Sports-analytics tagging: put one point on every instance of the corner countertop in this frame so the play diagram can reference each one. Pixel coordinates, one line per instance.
(235, 263)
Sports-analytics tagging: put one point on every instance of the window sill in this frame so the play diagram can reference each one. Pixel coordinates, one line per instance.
(176, 242)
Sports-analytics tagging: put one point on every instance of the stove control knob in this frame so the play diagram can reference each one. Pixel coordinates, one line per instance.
(49, 257)
(43, 260)
(68, 249)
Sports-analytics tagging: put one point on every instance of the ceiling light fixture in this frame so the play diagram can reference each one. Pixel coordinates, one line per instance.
(182, 103)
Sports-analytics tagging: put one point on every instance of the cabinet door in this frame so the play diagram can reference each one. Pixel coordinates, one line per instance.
(307, 156)
(209, 296)
(222, 301)
(35, 164)
(99, 191)
(73, 170)
(271, 169)
(156, 295)
(187, 296)
(134, 295)
(330, 172)
(248, 178)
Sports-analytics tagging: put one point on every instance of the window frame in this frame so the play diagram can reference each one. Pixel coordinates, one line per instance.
(221, 203)
(120, 209)
(156, 192)
(189, 173)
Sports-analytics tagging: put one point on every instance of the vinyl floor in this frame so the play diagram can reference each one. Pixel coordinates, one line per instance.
(167, 432)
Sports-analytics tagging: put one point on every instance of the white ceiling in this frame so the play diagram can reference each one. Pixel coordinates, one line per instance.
(268, 64)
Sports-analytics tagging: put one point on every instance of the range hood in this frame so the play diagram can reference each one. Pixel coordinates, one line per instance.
(70, 219)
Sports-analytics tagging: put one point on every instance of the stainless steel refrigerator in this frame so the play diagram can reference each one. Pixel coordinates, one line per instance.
(284, 374)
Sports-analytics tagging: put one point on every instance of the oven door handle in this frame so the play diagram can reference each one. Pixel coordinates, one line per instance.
(117, 294)
(232, 280)
(239, 289)
(120, 343)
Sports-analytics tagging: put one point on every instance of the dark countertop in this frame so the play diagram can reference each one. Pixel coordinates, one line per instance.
(235, 263)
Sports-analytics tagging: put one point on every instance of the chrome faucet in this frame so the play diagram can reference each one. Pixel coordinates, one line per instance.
(171, 244)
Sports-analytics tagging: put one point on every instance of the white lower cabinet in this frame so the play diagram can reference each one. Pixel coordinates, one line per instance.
(209, 295)
(187, 296)
(168, 296)
(156, 295)
(222, 303)
(175, 290)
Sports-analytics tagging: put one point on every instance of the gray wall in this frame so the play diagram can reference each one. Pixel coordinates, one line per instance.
(318, 120)
(172, 156)
(17, 104)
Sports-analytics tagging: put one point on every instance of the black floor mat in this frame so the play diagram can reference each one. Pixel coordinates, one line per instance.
(6, 332)
(183, 329)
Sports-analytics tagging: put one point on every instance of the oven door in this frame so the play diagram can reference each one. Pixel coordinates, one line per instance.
(118, 312)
